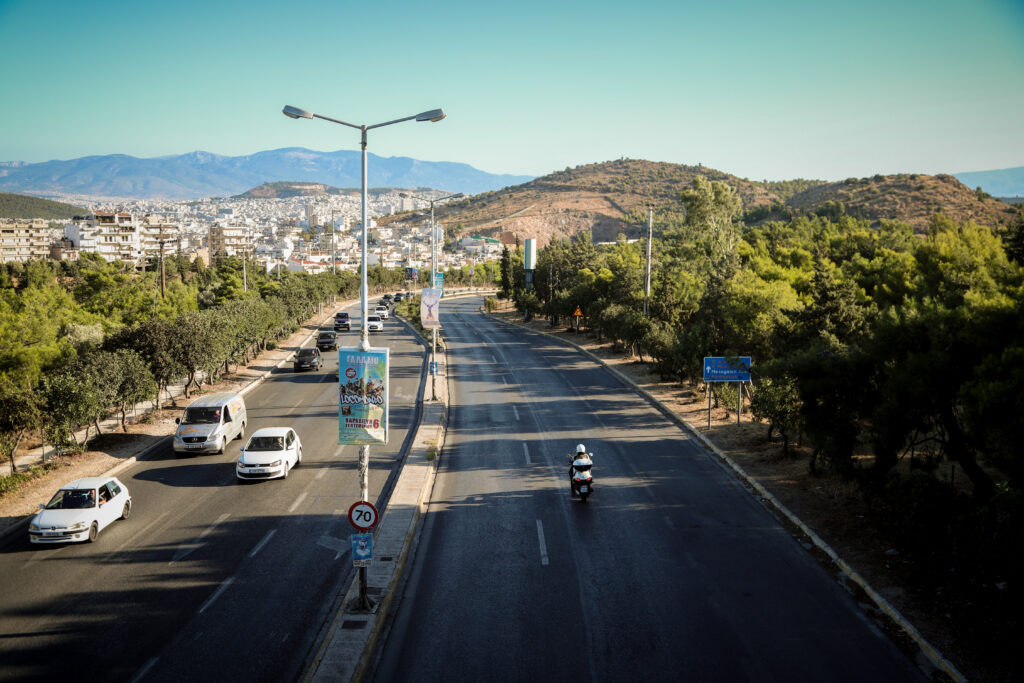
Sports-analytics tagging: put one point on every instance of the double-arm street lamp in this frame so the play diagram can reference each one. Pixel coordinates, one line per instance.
(433, 275)
(364, 343)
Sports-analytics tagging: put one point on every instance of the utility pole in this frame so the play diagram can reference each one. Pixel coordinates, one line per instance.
(647, 276)
(245, 282)
(334, 260)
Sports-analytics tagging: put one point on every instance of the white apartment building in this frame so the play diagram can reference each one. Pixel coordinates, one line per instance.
(24, 240)
(113, 235)
(153, 233)
(228, 240)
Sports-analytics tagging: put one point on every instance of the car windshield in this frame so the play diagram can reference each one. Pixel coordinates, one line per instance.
(307, 353)
(373, 318)
(202, 416)
(72, 499)
(265, 443)
(342, 316)
(327, 335)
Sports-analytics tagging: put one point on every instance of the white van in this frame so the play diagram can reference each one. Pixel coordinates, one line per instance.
(209, 423)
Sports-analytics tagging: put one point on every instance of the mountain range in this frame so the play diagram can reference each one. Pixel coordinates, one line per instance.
(200, 174)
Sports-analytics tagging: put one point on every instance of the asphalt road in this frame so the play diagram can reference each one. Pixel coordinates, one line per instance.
(672, 570)
(209, 579)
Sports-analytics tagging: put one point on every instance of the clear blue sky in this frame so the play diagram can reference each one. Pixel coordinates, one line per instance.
(772, 90)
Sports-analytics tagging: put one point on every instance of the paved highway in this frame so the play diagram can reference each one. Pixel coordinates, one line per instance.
(209, 579)
(672, 570)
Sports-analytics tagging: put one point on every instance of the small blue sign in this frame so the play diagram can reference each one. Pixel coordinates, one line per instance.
(439, 282)
(727, 368)
(433, 367)
(362, 549)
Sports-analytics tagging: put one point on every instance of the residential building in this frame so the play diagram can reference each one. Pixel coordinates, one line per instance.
(24, 240)
(113, 235)
(228, 240)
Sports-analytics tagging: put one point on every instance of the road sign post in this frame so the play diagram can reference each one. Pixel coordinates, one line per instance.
(727, 369)
(363, 516)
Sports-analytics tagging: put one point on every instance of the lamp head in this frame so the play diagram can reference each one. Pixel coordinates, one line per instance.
(296, 113)
(432, 115)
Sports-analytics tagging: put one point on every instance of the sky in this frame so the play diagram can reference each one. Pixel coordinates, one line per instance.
(780, 90)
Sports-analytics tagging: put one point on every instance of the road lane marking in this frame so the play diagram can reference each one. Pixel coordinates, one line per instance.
(527, 452)
(187, 548)
(216, 594)
(543, 548)
(145, 670)
(259, 546)
(504, 381)
(493, 359)
(302, 497)
(138, 533)
(321, 473)
(516, 412)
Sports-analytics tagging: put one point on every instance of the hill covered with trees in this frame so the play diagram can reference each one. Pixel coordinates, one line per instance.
(22, 206)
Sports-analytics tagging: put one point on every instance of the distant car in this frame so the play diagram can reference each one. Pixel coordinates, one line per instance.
(342, 321)
(374, 323)
(382, 311)
(386, 297)
(398, 297)
(327, 340)
(308, 359)
(80, 510)
(270, 453)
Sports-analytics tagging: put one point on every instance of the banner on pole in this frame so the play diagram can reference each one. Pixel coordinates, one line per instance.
(430, 302)
(363, 396)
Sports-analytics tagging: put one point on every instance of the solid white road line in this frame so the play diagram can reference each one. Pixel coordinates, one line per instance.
(216, 594)
(259, 546)
(543, 548)
(516, 412)
(527, 452)
(302, 497)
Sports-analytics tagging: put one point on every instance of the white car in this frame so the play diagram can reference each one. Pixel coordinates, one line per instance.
(270, 453)
(382, 311)
(80, 510)
(374, 323)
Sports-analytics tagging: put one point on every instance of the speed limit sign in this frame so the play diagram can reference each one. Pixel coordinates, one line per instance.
(363, 515)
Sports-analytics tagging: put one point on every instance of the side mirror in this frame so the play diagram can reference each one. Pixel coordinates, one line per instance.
(42, 506)
(177, 420)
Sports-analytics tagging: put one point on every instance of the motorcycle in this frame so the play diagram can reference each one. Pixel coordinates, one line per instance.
(581, 478)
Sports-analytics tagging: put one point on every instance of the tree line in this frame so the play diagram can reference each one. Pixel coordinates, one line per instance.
(79, 340)
(865, 339)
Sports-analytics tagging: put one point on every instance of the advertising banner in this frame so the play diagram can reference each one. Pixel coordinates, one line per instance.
(363, 398)
(362, 549)
(439, 283)
(430, 302)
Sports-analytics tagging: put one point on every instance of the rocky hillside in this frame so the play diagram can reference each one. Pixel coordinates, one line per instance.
(612, 198)
(910, 198)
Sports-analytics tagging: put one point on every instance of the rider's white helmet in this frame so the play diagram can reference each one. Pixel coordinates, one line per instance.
(580, 448)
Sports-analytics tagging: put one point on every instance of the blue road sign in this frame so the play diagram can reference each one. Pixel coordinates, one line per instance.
(362, 549)
(726, 368)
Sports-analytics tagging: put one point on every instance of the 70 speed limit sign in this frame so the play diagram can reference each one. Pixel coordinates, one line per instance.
(363, 515)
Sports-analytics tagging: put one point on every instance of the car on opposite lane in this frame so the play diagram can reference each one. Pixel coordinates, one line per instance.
(382, 311)
(374, 323)
(342, 321)
(79, 510)
(270, 453)
(308, 359)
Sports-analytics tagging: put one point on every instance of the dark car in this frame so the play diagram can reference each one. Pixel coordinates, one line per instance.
(398, 297)
(327, 340)
(342, 321)
(308, 359)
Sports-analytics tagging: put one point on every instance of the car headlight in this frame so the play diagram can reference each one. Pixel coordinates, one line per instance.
(276, 463)
(33, 527)
(78, 525)
(242, 464)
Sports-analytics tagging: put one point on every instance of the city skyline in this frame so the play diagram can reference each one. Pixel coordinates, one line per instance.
(780, 91)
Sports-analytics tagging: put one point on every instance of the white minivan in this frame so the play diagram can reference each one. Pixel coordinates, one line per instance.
(209, 423)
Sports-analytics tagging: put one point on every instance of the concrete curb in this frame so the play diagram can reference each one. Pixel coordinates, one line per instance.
(933, 655)
(349, 644)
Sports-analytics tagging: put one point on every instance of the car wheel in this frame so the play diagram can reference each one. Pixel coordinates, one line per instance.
(241, 432)
(298, 459)
(223, 445)
(126, 513)
(284, 474)
(94, 531)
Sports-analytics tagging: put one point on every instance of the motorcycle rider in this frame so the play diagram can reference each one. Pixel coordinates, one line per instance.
(581, 459)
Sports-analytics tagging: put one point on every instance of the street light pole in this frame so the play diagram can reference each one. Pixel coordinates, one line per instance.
(433, 277)
(364, 342)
